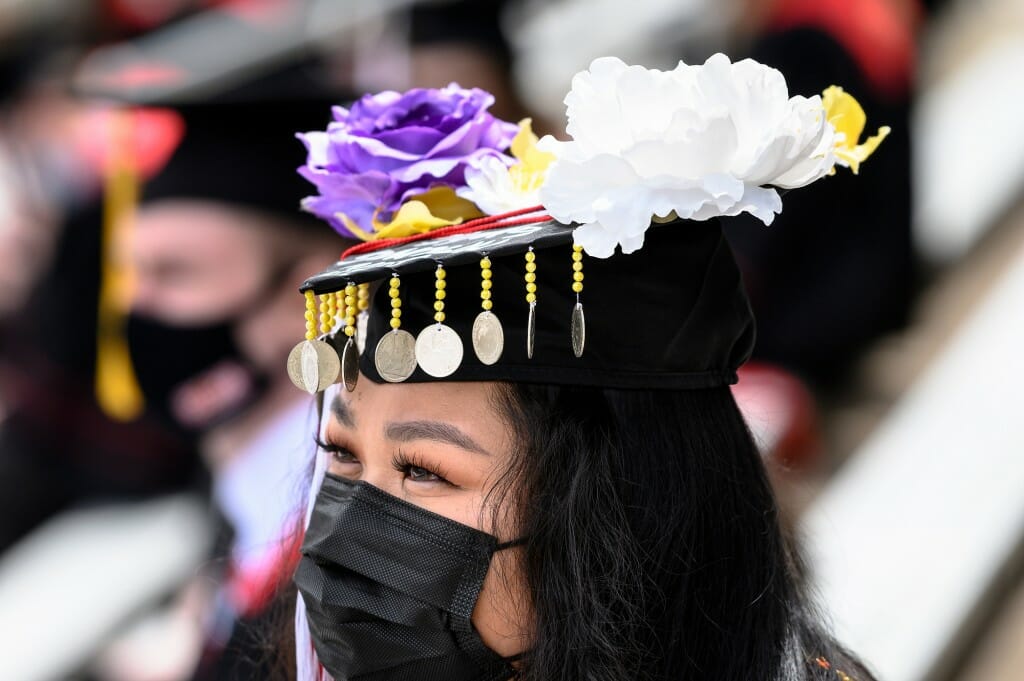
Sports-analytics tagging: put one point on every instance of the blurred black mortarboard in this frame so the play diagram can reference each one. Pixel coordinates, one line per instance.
(243, 84)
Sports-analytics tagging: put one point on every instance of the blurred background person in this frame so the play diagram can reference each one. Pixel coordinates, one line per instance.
(838, 270)
(216, 249)
(57, 150)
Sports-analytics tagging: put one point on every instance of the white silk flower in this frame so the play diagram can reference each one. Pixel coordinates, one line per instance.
(696, 142)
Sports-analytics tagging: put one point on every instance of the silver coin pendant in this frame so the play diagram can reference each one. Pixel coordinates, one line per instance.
(579, 330)
(350, 364)
(395, 356)
(439, 350)
(313, 365)
(488, 337)
(531, 330)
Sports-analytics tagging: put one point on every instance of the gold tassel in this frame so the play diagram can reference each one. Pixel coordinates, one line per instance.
(117, 390)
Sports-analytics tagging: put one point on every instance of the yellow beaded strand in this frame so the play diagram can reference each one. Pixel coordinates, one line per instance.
(396, 302)
(326, 318)
(439, 286)
(363, 297)
(350, 310)
(485, 284)
(531, 276)
(577, 269)
(339, 304)
(310, 315)
(333, 308)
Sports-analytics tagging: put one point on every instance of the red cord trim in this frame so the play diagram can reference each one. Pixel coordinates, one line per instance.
(477, 225)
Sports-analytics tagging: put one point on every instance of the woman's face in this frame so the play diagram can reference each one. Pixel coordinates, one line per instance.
(441, 446)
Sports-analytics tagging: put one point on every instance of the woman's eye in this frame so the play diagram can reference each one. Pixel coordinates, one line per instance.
(417, 474)
(342, 455)
(413, 470)
(339, 454)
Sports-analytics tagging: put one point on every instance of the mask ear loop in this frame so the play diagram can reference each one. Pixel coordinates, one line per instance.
(307, 665)
(509, 544)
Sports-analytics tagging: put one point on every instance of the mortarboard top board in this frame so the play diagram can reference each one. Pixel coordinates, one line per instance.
(672, 316)
(207, 55)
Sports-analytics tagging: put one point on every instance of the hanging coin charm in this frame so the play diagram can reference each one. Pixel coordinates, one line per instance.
(395, 357)
(313, 364)
(531, 298)
(439, 350)
(438, 347)
(350, 355)
(395, 354)
(578, 326)
(579, 330)
(488, 336)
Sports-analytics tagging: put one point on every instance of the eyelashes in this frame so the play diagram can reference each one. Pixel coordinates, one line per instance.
(327, 447)
(338, 453)
(412, 466)
(415, 469)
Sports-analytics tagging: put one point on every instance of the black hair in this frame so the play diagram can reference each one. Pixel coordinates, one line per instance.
(653, 548)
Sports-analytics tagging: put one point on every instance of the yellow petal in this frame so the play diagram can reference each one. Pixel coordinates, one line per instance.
(844, 113)
(414, 217)
(437, 207)
(847, 116)
(444, 203)
(529, 173)
(854, 156)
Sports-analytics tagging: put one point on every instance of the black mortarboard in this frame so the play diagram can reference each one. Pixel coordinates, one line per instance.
(672, 316)
(648, 148)
(242, 153)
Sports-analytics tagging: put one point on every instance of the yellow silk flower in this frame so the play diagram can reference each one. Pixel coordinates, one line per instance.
(528, 175)
(848, 118)
(437, 207)
(498, 188)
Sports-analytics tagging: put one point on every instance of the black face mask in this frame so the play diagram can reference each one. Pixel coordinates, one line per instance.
(389, 589)
(166, 357)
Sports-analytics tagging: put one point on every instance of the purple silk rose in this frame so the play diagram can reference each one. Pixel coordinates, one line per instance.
(390, 146)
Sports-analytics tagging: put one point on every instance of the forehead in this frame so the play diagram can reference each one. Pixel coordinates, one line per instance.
(475, 408)
(192, 230)
(379, 401)
(195, 261)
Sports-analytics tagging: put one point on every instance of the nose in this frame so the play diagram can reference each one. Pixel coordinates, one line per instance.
(383, 476)
(143, 294)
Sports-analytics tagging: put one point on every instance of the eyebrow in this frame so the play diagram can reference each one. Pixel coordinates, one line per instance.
(407, 431)
(342, 413)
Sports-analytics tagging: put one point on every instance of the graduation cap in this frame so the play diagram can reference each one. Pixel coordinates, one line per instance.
(656, 158)
(623, 219)
(233, 88)
(673, 316)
